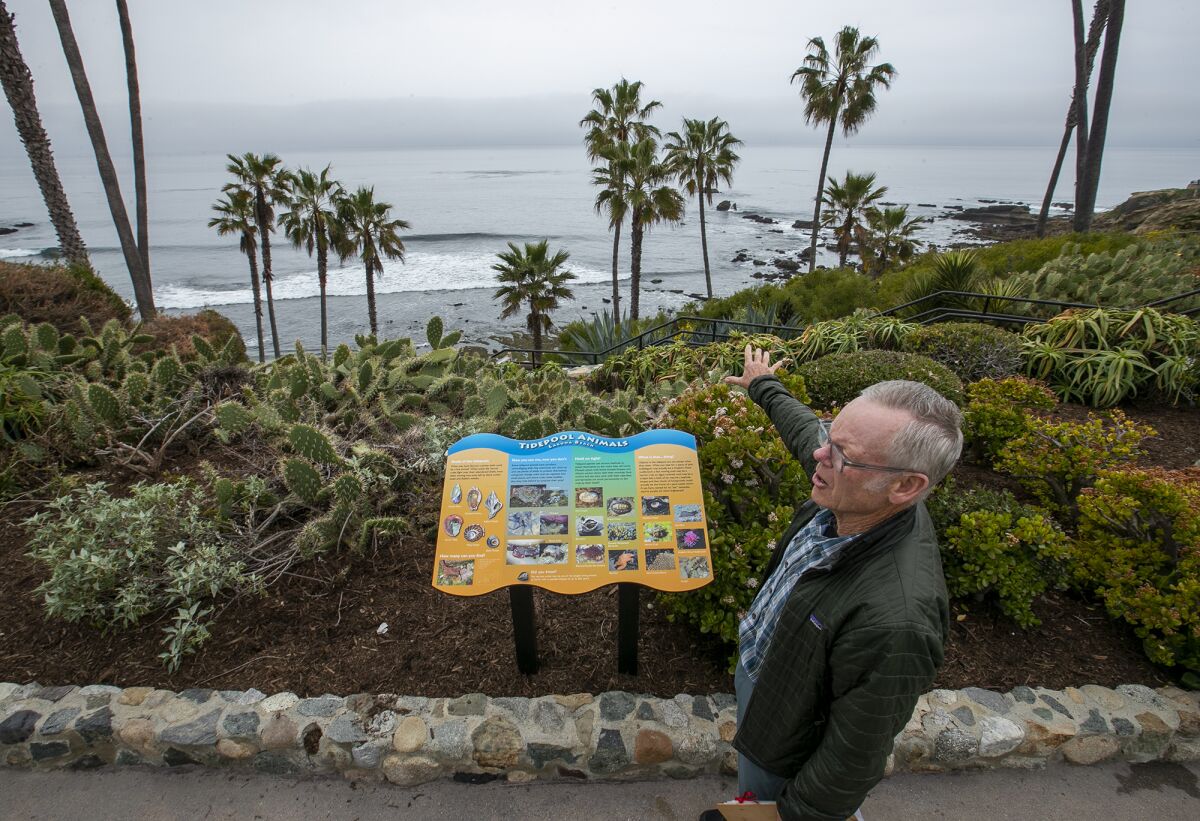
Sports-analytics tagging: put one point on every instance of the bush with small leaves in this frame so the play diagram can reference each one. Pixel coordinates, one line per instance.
(836, 379)
(997, 411)
(751, 489)
(1138, 548)
(1013, 557)
(972, 350)
(114, 562)
(1055, 461)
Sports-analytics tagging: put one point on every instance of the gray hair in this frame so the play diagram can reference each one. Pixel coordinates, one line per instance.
(932, 441)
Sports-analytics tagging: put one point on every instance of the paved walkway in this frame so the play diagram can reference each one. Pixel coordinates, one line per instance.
(1116, 792)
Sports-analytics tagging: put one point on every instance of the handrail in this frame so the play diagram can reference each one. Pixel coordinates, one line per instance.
(716, 327)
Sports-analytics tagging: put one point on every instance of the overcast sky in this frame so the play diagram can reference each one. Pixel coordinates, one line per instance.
(369, 73)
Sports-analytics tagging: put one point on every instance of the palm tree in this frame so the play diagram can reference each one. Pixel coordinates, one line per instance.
(311, 221)
(369, 232)
(841, 88)
(651, 199)
(135, 130)
(235, 215)
(530, 276)
(18, 88)
(143, 290)
(1088, 183)
(617, 117)
(847, 200)
(890, 237)
(702, 157)
(264, 178)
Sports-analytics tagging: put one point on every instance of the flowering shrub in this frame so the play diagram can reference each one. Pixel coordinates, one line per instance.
(997, 411)
(114, 562)
(1055, 461)
(840, 377)
(752, 487)
(1139, 548)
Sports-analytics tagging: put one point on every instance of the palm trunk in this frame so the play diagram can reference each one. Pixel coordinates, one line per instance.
(264, 228)
(704, 245)
(1104, 91)
(18, 89)
(322, 279)
(1044, 214)
(135, 130)
(616, 259)
(635, 263)
(812, 246)
(142, 289)
(1095, 30)
(371, 300)
(1081, 112)
(262, 350)
(535, 320)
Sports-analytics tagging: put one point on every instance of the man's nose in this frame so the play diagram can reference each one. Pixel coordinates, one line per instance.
(824, 454)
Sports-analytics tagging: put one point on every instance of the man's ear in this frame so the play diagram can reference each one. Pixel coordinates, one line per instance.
(908, 489)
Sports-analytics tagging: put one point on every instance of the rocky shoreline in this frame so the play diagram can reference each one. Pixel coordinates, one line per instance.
(410, 740)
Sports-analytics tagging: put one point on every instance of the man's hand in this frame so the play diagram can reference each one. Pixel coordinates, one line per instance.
(758, 363)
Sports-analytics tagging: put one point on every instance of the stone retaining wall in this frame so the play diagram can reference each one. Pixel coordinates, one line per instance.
(409, 740)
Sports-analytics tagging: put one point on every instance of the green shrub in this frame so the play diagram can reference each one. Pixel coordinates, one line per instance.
(997, 411)
(972, 350)
(821, 295)
(604, 332)
(1134, 275)
(862, 330)
(641, 369)
(838, 378)
(1055, 461)
(1011, 556)
(1103, 356)
(114, 562)
(1001, 260)
(1138, 547)
(751, 487)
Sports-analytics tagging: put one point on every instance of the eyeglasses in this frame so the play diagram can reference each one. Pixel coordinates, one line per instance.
(840, 462)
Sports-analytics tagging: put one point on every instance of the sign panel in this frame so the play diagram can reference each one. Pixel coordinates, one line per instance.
(572, 512)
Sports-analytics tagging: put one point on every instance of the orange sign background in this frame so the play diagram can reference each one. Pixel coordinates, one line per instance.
(572, 512)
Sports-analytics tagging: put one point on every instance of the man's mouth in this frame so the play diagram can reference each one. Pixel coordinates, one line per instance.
(818, 481)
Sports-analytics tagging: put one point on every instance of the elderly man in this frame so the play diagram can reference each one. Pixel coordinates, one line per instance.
(850, 622)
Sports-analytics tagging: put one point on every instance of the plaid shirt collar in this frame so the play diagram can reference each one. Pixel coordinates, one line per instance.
(811, 548)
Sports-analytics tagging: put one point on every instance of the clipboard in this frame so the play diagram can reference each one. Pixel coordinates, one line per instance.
(748, 811)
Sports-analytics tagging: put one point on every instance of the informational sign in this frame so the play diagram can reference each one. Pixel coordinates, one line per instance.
(572, 512)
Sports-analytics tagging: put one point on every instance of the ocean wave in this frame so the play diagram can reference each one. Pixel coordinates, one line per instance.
(469, 235)
(13, 253)
(421, 272)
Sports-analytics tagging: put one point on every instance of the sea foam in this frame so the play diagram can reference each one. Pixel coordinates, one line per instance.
(420, 272)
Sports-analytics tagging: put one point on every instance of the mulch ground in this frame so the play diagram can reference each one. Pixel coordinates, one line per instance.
(317, 630)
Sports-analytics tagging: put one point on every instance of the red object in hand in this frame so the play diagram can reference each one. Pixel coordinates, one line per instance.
(745, 797)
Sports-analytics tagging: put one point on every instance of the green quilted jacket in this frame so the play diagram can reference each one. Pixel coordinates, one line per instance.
(856, 645)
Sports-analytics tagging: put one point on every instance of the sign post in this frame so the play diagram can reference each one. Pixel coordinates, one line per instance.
(571, 513)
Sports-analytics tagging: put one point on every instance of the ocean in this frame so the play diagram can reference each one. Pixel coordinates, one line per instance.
(464, 205)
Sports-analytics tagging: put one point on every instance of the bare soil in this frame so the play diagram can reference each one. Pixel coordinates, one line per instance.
(318, 629)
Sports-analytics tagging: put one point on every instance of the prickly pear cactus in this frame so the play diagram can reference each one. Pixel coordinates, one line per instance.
(312, 444)
(302, 479)
(105, 405)
(233, 419)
